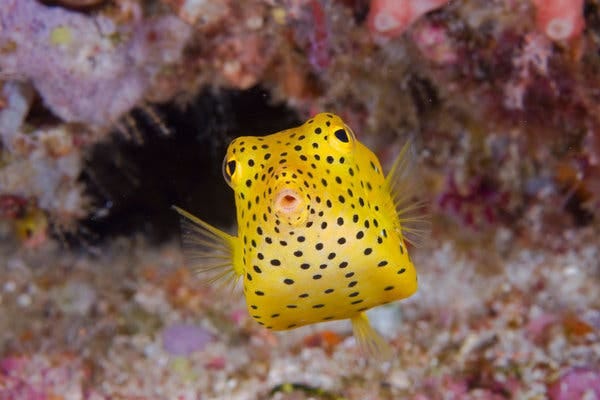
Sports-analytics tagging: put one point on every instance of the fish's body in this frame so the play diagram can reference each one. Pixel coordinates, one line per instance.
(319, 234)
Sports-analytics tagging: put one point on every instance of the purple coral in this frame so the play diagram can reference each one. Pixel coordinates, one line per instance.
(93, 71)
(181, 339)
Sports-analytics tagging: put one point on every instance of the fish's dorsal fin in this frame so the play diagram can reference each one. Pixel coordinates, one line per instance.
(402, 185)
(207, 250)
(369, 341)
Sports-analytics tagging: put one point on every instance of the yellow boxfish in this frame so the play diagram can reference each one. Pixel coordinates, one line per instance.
(319, 229)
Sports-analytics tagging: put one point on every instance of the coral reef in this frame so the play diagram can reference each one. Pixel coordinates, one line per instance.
(451, 69)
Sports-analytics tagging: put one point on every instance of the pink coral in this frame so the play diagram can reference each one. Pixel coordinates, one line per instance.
(391, 18)
(319, 38)
(576, 384)
(560, 19)
(435, 44)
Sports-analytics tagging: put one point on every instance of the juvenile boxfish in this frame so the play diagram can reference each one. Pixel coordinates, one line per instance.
(320, 229)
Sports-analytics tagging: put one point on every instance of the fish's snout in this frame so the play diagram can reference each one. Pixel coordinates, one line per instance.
(289, 205)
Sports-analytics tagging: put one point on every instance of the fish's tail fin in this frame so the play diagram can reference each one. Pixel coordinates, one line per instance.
(207, 250)
(369, 341)
(402, 182)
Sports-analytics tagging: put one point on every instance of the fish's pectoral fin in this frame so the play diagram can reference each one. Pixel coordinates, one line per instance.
(207, 250)
(402, 183)
(369, 341)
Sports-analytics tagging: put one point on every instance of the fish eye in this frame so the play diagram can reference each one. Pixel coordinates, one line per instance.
(342, 135)
(342, 139)
(230, 167)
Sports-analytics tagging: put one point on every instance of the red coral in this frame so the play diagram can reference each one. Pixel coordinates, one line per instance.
(12, 206)
(476, 204)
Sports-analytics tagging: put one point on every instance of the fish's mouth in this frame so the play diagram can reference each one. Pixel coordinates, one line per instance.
(288, 201)
(289, 205)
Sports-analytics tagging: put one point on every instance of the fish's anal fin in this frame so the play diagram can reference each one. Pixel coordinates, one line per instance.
(369, 341)
(207, 250)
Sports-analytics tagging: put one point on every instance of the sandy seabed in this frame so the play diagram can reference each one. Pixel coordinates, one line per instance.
(132, 323)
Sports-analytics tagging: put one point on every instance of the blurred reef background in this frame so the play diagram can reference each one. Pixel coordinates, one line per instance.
(113, 110)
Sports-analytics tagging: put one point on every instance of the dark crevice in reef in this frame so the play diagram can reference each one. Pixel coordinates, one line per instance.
(134, 183)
